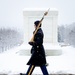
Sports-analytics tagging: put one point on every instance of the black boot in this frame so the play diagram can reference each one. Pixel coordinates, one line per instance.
(22, 74)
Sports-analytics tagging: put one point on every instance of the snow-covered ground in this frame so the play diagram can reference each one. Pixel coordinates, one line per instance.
(13, 63)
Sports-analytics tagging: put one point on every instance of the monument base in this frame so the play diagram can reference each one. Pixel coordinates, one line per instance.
(50, 49)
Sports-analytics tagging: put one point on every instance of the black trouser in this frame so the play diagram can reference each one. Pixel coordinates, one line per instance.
(31, 68)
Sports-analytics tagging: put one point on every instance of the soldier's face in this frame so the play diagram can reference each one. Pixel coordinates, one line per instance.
(34, 26)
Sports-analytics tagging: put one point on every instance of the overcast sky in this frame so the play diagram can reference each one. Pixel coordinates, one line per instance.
(11, 11)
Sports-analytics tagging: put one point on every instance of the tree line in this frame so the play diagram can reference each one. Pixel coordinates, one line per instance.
(66, 34)
(9, 38)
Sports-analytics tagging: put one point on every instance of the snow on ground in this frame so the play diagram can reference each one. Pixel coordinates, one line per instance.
(13, 63)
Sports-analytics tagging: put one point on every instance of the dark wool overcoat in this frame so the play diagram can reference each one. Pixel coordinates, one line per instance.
(37, 51)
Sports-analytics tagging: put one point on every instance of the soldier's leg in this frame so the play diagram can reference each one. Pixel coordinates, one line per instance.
(44, 70)
(30, 70)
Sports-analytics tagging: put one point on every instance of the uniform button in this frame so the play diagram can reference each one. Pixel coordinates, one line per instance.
(37, 46)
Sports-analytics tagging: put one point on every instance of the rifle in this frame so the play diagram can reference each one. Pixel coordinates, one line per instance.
(32, 39)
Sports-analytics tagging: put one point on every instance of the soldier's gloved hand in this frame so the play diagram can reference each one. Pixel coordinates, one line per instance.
(31, 43)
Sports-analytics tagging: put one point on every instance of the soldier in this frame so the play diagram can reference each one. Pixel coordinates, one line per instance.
(38, 53)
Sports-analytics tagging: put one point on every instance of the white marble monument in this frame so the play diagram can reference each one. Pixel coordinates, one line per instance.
(49, 26)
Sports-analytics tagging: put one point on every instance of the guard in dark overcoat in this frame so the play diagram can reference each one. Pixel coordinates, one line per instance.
(38, 53)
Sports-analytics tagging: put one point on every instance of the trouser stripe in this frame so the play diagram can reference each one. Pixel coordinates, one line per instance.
(32, 67)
